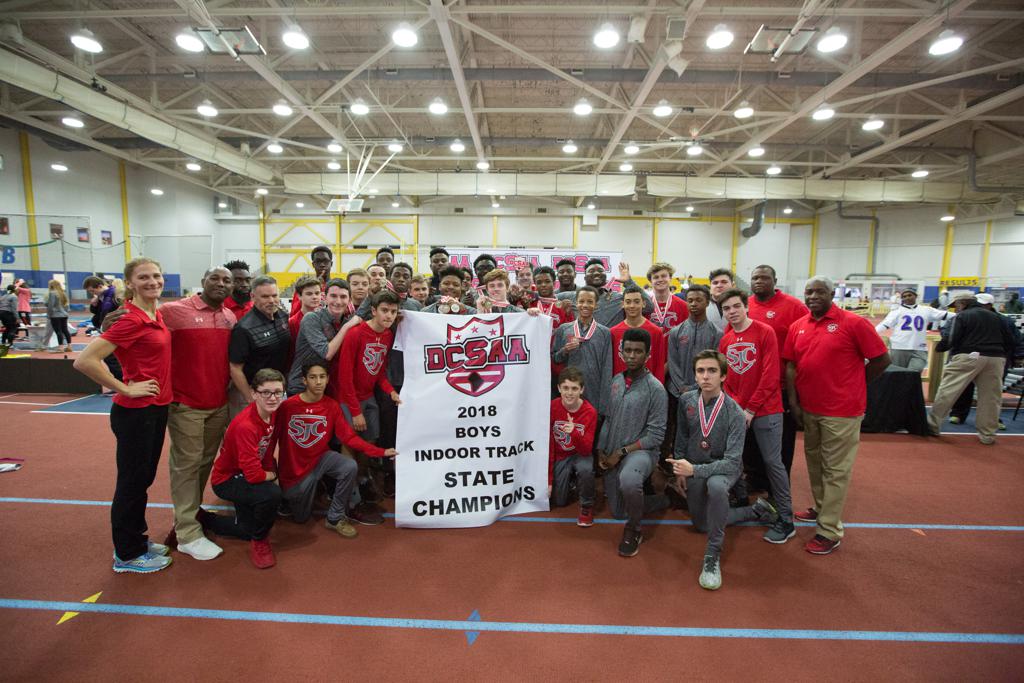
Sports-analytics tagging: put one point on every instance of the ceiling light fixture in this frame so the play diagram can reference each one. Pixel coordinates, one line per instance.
(359, 108)
(156, 192)
(606, 37)
(919, 173)
(187, 40)
(582, 108)
(85, 40)
(625, 167)
(833, 40)
(773, 170)
(946, 42)
(495, 205)
(58, 166)
(373, 190)
(206, 109)
(482, 165)
(591, 206)
(295, 38)
(333, 166)
(662, 109)
(193, 166)
(823, 113)
(438, 107)
(404, 35)
(569, 147)
(948, 218)
(694, 150)
(299, 205)
(788, 210)
(689, 208)
(275, 148)
(872, 124)
(744, 111)
(334, 148)
(394, 205)
(631, 148)
(73, 122)
(720, 38)
(262, 191)
(222, 205)
(755, 152)
(395, 147)
(282, 108)
(457, 146)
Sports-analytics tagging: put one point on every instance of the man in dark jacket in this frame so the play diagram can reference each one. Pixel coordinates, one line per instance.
(979, 343)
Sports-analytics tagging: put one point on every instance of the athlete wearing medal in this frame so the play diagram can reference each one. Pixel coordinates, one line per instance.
(544, 280)
(669, 310)
(709, 446)
(450, 285)
(586, 344)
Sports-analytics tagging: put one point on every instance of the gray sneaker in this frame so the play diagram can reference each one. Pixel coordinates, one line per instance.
(711, 574)
(780, 531)
(146, 563)
(764, 510)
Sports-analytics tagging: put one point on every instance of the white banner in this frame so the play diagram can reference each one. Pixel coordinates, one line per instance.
(473, 424)
(514, 259)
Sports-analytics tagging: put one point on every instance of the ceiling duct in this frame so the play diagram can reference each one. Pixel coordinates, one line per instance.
(972, 172)
(40, 80)
(464, 184)
(892, 191)
(758, 221)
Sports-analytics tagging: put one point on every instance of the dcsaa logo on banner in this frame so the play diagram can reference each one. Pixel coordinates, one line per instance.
(473, 424)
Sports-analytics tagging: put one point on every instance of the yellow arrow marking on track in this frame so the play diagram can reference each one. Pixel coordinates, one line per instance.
(71, 615)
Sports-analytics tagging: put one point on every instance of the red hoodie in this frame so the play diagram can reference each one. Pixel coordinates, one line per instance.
(659, 353)
(302, 434)
(753, 377)
(363, 363)
(579, 442)
(247, 449)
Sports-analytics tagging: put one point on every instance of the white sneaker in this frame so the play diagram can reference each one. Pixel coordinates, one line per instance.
(201, 549)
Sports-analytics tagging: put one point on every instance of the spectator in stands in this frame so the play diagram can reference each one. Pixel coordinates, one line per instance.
(8, 318)
(57, 314)
(24, 294)
(1014, 305)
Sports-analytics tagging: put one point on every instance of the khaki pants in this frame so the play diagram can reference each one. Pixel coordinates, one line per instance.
(987, 374)
(195, 438)
(830, 446)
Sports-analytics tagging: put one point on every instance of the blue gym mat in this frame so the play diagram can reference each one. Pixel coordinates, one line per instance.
(95, 404)
(1012, 426)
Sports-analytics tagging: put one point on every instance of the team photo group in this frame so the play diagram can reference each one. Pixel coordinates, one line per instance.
(651, 399)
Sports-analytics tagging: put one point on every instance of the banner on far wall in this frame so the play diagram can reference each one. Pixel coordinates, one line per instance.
(473, 424)
(514, 259)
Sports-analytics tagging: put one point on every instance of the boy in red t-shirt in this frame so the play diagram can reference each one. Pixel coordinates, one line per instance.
(304, 426)
(633, 307)
(245, 473)
(573, 427)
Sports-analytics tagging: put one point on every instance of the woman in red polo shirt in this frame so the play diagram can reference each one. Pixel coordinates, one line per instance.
(138, 418)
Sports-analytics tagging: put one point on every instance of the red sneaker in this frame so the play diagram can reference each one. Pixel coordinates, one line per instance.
(819, 545)
(261, 554)
(809, 515)
(586, 517)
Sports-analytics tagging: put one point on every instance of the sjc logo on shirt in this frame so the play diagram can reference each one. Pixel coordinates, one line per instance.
(307, 430)
(741, 356)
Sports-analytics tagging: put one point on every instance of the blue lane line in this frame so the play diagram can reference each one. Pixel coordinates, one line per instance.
(572, 520)
(517, 626)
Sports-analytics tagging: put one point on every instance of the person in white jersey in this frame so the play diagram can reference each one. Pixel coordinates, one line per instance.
(909, 324)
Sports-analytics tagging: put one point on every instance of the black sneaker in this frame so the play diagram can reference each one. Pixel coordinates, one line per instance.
(780, 531)
(366, 514)
(630, 544)
(284, 509)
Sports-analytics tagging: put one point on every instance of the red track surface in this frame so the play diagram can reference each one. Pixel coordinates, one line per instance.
(880, 580)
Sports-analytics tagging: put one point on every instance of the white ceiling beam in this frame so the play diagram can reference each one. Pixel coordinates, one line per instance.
(439, 13)
(966, 114)
(870, 63)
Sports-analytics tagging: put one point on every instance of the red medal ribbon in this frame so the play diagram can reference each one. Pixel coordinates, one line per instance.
(659, 314)
(705, 423)
(551, 305)
(590, 330)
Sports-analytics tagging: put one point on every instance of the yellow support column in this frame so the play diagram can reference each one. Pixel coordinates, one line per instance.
(947, 250)
(654, 241)
(30, 200)
(494, 231)
(416, 242)
(735, 240)
(121, 175)
(812, 266)
(576, 220)
(871, 246)
(983, 280)
(337, 242)
(263, 234)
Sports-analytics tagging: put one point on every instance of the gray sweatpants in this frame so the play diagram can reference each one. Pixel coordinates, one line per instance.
(624, 488)
(708, 500)
(906, 358)
(767, 430)
(583, 466)
(331, 464)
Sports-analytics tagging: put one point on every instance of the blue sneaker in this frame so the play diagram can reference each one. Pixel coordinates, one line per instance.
(155, 548)
(147, 563)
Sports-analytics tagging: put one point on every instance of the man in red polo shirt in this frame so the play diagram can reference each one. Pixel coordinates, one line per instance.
(777, 310)
(240, 301)
(827, 378)
(200, 328)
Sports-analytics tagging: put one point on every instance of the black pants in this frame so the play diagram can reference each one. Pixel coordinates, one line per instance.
(388, 417)
(25, 316)
(60, 328)
(753, 464)
(255, 508)
(10, 324)
(140, 438)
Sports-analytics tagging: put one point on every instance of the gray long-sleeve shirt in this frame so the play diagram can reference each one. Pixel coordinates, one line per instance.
(726, 439)
(316, 331)
(54, 308)
(684, 341)
(609, 305)
(637, 414)
(593, 358)
(9, 302)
